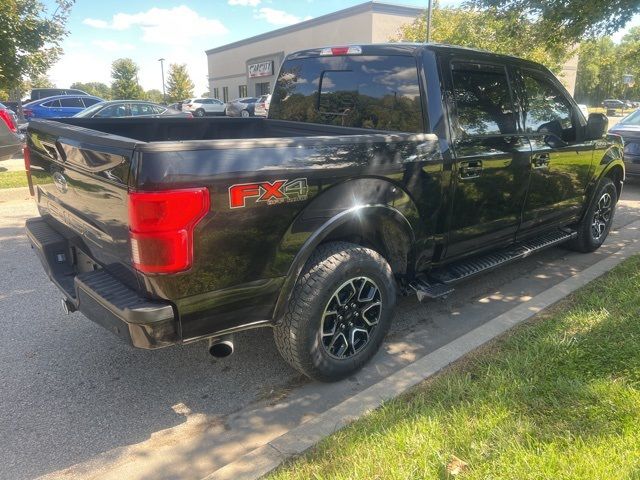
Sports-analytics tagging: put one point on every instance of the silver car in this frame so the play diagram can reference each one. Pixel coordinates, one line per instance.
(200, 107)
(242, 107)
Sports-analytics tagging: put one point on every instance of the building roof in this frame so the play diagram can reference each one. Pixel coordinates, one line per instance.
(372, 6)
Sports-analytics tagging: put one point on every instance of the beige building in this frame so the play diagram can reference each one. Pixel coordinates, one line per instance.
(248, 67)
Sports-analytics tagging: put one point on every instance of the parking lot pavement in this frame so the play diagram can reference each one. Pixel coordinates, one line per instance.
(76, 402)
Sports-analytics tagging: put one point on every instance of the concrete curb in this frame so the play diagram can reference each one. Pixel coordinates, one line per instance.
(266, 458)
(18, 194)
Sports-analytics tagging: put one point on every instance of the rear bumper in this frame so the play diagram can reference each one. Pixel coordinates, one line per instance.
(101, 297)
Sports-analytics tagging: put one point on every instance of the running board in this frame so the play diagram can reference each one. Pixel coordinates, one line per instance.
(464, 269)
(425, 289)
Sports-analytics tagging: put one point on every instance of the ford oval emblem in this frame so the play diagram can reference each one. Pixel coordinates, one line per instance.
(60, 182)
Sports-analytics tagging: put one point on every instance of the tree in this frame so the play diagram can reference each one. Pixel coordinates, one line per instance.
(154, 95)
(179, 84)
(569, 20)
(602, 65)
(97, 89)
(40, 81)
(30, 39)
(485, 29)
(124, 72)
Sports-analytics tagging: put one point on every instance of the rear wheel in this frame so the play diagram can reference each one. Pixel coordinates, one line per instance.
(245, 114)
(596, 223)
(340, 312)
(199, 112)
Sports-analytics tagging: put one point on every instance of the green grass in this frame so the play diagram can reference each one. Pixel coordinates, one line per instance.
(19, 179)
(557, 398)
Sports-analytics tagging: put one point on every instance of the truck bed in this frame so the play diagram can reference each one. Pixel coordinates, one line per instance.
(187, 129)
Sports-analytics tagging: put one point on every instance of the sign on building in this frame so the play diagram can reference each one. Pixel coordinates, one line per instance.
(262, 69)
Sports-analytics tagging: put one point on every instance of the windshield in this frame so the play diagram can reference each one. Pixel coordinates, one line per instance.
(633, 119)
(90, 111)
(378, 92)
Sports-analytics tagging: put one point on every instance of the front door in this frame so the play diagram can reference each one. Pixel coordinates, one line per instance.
(492, 158)
(560, 159)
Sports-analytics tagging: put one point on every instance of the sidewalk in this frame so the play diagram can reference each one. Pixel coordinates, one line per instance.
(12, 165)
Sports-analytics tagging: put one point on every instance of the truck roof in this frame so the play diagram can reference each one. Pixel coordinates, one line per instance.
(407, 48)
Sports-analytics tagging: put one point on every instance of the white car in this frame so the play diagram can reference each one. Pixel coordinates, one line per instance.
(200, 107)
(262, 106)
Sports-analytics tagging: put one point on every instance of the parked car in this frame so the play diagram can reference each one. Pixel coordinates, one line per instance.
(356, 187)
(58, 106)
(201, 107)
(261, 108)
(584, 109)
(40, 93)
(10, 140)
(613, 104)
(629, 129)
(129, 108)
(241, 107)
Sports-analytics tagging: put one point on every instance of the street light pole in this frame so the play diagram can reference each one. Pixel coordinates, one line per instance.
(429, 15)
(164, 94)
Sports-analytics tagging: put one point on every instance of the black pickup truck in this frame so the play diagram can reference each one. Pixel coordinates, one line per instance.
(382, 169)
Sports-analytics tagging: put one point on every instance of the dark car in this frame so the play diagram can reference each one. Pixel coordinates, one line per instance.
(241, 107)
(613, 104)
(629, 129)
(381, 169)
(58, 106)
(129, 108)
(40, 93)
(10, 140)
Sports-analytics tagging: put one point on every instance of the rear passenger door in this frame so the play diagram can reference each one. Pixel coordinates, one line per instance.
(491, 172)
(561, 158)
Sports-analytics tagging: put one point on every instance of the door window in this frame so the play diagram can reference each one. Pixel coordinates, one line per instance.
(90, 101)
(71, 102)
(483, 101)
(546, 109)
(139, 109)
(52, 104)
(118, 110)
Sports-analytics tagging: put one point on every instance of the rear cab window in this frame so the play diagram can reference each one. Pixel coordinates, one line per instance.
(380, 92)
(483, 104)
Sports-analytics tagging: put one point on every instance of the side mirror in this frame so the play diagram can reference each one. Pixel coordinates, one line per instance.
(597, 126)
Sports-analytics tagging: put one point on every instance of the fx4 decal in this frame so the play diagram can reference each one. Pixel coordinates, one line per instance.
(271, 193)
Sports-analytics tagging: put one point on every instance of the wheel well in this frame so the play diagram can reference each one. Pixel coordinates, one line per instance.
(385, 236)
(616, 175)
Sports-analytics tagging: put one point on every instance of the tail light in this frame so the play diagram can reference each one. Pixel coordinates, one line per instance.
(27, 112)
(352, 50)
(8, 119)
(161, 226)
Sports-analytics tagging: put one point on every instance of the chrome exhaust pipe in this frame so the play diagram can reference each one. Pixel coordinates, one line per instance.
(68, 306)
(221, 347)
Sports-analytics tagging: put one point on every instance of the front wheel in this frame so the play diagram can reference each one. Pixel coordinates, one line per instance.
(598, 219)
(339, 313)
(199, 113)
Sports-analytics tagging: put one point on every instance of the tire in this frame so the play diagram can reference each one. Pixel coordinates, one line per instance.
(245, 114)
(200, 113)
(596, 223)
(335, 271)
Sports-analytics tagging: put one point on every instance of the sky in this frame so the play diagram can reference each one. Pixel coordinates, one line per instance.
(178, 31)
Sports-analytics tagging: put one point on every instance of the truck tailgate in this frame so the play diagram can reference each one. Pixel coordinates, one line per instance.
(84, 194)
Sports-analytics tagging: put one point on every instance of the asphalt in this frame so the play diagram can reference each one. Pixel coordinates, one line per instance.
(76, 402)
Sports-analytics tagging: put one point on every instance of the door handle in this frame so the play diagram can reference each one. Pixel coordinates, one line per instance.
(470, 169)
(540, 160)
